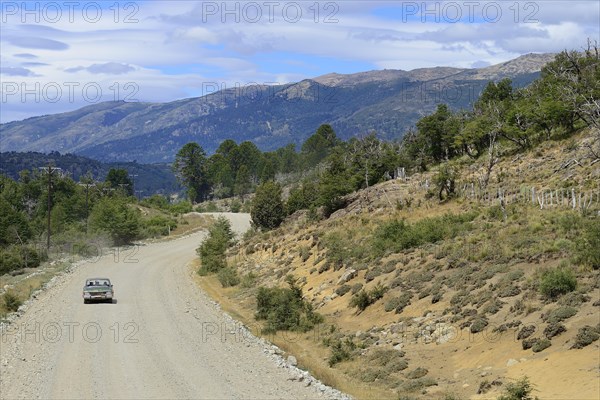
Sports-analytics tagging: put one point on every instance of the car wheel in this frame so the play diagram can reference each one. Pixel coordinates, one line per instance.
(85, 301)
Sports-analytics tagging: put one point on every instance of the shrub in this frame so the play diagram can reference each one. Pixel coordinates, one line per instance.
(158, 226)
(418, 384)
(526, 344)
(341, 351)
(235, 206)
(390, 360)
(493, 306)
(212, 250)
(508, 290)
(437, 297)
(17, 257)
(520, 390)
(478, 325)
(342, 290)
(557, 281)
(356, 288)
(361, 300)
(268, 210)
(115, 217)
(397, 235)
(586, 336)
(525, 332)
(372, 274)
(285, 308)
(573, 299)
(364, 298)
(554, 329)
(11, 301)
(417, 373)
(377, 292)
(559, 314)
(304, 253)
(338, 248)
(181, 207)
(391, 304)
(402, 302)
(540, 345)
(228, 277)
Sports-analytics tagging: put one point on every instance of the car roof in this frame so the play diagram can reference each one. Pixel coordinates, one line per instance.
(97, 279)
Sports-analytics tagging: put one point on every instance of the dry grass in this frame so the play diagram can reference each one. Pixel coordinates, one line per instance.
(24, 285)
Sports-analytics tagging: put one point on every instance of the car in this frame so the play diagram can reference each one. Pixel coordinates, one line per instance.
(98, 289)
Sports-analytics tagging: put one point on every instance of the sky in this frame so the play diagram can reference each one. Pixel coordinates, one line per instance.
(58, 56)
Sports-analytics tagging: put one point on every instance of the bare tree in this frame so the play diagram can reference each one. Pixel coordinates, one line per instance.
(493, 145)
(366, 152)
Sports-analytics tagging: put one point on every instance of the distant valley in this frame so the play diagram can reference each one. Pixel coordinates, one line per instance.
(147, 179)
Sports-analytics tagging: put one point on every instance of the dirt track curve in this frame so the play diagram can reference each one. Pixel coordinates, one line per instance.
(161, 339)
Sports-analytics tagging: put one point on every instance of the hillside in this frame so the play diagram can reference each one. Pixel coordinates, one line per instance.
(459, 305)
(388, 102)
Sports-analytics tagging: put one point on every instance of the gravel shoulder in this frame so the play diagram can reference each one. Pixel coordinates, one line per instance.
(161, 338)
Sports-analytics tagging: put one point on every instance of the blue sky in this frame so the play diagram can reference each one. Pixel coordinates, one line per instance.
(56, 57)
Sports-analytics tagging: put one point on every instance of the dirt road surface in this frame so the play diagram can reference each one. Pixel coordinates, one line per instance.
(161, 338)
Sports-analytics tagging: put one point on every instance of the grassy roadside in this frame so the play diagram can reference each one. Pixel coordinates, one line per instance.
(305, 347)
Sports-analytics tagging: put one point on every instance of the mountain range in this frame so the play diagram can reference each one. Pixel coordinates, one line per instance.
(385, 101)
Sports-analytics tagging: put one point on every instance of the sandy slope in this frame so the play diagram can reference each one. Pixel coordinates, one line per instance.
(161, 338)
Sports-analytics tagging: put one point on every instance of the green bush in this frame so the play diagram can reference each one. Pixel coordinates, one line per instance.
(235, 206)
(228, 277)
(181, 207)
(555, 282)
(11, 301)
(361, 300)
(212, 250)
(268, 210)
(17, 257)
(337, 248)
(520, 390)
(285, 308)
(341, 351)
(398, 235)
(115, 217)
(377, 292)
(158, 225)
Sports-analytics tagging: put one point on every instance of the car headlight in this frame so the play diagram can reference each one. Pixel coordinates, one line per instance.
(87, 295)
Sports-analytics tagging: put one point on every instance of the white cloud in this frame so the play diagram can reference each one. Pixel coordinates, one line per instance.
(170, 48)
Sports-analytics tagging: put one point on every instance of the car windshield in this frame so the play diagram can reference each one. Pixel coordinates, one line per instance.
(97, 282)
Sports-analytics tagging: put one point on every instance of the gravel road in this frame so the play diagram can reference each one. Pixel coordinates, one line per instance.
(161, 338)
